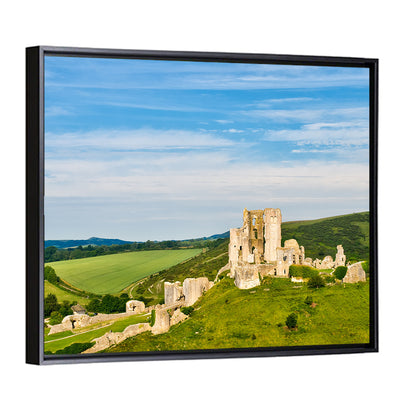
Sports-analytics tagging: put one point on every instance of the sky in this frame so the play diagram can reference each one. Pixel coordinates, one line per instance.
(156, 150)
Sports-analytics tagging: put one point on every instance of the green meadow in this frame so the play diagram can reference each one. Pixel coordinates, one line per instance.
(112, 273)
(227, 317)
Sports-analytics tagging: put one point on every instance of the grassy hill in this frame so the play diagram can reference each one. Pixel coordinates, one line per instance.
(227, 317)
(112, 273)
(321, 237)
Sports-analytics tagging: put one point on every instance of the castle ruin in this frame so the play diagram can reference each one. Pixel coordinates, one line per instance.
(255, 250)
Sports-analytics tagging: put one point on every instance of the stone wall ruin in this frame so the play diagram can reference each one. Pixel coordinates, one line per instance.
(187, 294)
(355, 273)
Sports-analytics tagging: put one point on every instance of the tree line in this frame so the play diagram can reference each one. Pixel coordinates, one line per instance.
(53, 253)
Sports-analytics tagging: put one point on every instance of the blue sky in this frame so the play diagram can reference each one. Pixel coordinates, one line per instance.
(140, 149)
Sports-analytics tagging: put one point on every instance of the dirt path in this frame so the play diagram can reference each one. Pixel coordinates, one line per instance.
(220, 255)
(80, 333)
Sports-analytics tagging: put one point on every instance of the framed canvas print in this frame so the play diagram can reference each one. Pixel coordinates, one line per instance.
(199, 205)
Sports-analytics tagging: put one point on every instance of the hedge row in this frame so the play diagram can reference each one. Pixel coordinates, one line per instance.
(297, 270)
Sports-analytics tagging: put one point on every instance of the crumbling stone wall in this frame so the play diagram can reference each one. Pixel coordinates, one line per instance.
(355, 273)
(293, 250)
(194, 288)
(162, 322)
(326, 263)
(173, 292)
(340, 256)
(189, 293)
(177, 317)
(111, 338)
(135, 306)
(247, 276)
(80, 321)
(308, 262)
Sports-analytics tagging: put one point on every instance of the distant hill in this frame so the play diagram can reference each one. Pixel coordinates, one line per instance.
(216, 236)
(94, 241)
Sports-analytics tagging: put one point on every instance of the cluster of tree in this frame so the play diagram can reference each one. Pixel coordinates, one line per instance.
(292, 321)
(108, 304)
(366, 266)
(53, 253)
(187, 310)
(51, 304)
(76, 348)
(50, 275)
(340, 272)
(316, 282)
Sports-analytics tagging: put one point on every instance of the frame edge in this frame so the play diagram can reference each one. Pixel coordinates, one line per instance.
(34, 203)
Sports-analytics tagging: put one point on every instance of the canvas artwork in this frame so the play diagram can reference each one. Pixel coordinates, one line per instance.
(195, 205)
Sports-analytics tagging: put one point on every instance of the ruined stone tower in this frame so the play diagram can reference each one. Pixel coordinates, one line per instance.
(255, 249)
(272, 233)
(340, 256)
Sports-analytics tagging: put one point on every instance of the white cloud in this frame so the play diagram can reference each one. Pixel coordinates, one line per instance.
(332, 136)
(224, 121)
(205, 176)
(273, 101)
(233, 131)
(53, 111)
(310, 115)
(134, 140)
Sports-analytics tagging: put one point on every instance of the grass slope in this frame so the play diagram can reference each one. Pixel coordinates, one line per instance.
(63, 295)
(112, 273)
(226, 317)
(321, 237)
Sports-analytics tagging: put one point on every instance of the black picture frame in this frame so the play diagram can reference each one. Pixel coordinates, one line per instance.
(35, 207)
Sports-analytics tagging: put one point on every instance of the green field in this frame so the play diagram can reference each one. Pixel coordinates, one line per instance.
(112, 273)
(61, 340)
(63, 295)
(227, 317)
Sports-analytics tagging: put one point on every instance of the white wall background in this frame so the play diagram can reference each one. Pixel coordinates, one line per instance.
(327, 385)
